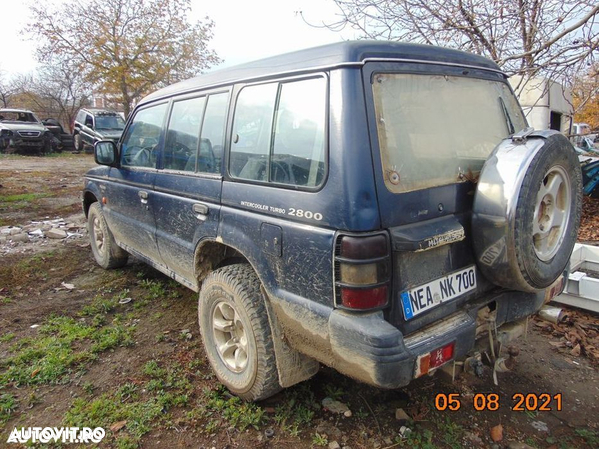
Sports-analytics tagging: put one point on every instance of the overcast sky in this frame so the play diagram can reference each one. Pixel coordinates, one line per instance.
(244, 31)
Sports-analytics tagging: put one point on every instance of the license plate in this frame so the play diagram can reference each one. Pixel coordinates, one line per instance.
(428, 296)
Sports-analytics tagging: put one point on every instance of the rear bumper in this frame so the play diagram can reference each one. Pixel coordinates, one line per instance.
(368, 348)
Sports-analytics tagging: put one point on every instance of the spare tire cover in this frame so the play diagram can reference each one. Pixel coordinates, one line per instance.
(526, 211)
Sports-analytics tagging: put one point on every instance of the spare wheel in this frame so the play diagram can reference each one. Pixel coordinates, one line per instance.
(526, 210)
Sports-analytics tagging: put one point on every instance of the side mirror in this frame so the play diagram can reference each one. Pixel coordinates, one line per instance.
(105, 153)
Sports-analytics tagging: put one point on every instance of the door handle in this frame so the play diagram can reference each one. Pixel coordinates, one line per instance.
(144, 196)
(201, 211)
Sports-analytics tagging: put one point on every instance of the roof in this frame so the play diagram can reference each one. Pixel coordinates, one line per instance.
(349, 53)
(16, 110)
(96, 111)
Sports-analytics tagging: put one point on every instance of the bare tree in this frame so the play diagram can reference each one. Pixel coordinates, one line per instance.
(125, 47)
(7, 91)
(525, 37)
(56, 90)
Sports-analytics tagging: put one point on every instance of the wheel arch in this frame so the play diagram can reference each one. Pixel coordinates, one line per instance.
(89, 198)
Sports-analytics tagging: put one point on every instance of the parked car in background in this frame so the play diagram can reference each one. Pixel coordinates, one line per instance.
(377, 207)
(22, 132)
(580, 133)
(61, 140)
(92, 125)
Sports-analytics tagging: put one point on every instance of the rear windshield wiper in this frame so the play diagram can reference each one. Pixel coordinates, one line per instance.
(508, 121)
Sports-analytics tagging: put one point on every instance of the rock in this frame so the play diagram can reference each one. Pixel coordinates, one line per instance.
(402, 416)
(14, 230)
(474, 438)
(497, 433)
(540, 426)
(347, 413)
(19, 237)
(335, 406)
(326, 428)
(334, 445)
(56, 234)
(404, 431)
(575, 351)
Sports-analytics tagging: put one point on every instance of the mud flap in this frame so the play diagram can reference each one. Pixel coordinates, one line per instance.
(293, 367)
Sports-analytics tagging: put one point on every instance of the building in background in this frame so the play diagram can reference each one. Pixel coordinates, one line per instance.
(546, 103)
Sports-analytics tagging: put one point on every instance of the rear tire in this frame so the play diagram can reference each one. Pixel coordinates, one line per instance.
(104, 248)
(236, 332)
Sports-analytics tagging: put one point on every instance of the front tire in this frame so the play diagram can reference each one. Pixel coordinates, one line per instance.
(236, 332)
(104, 248)
(77, 142)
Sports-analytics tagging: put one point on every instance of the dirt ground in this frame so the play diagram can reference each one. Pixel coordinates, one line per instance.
(120, 349)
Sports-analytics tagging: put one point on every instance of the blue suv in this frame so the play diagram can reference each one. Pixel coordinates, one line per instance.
(372, 206)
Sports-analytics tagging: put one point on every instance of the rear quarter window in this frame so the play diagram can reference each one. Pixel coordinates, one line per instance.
(279, 133)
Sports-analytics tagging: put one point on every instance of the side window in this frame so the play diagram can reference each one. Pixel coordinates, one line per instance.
(293, 150)
(182, 135)
(140, 142)
(298, 149)
(89, 121)
(213, 133)
(252, 128)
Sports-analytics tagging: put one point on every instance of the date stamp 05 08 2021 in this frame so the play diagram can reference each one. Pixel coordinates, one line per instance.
(533, 402)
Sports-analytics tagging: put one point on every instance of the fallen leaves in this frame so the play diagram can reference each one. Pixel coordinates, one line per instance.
(589, 222)
(497, 433)
(578, 333)
(117, 426)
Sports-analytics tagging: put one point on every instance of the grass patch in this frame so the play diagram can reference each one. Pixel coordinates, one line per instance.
(108, 409)
(236, 412)
(297, 411)
(33, 270)
(63, 345)
(140, 408)
(422, 439)
(21, 200)
(7, 404)
(7, 337)
(590, 436)
(27, 197)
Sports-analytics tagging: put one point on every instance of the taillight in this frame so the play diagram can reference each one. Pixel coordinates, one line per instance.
(362, 271)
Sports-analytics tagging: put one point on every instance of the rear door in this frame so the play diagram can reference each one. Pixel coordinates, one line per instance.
(432, 129)
(188, 185)
(130, 198)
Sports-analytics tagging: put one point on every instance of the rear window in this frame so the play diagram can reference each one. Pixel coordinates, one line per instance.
(436, 130)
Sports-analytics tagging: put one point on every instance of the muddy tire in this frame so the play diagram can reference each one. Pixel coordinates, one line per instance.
(526, 212)
(105, 250)
(236, 332)
(78, 142)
